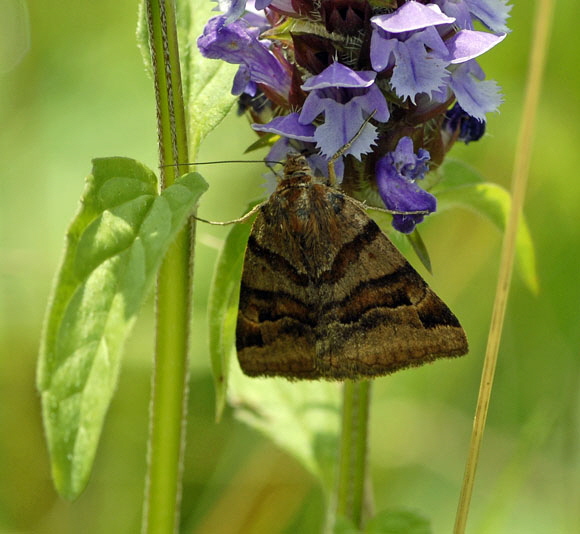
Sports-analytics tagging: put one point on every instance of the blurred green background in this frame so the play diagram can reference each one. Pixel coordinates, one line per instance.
(73, 87)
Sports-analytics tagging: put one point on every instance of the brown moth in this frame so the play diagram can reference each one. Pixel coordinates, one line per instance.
(325, 294)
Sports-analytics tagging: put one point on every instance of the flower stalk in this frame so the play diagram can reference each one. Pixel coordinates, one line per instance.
(173, 296)
(351, 482)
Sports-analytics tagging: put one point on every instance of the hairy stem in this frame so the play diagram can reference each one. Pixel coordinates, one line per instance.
(174, 284)
(352, 466)
(540, 34)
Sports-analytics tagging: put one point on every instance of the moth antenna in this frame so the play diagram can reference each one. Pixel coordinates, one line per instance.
(395, 212)
(267, 162)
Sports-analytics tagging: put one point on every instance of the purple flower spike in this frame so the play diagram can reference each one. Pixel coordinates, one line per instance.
(297, 80)
(237, 43)
(396, 174)
(346, 98)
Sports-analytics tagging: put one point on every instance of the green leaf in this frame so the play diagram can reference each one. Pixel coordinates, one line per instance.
(264, 141)
(223, 308)
(301, 417)
(142, 35)
(454, 173)
(211, 103)
(114, 247)
(398, 522)
(494, 202)
(420, 249)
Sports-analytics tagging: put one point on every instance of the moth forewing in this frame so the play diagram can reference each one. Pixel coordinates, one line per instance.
(325, 294)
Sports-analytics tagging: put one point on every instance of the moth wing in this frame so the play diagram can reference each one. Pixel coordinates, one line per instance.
(275, 334)
(346, 305)
(380, 315)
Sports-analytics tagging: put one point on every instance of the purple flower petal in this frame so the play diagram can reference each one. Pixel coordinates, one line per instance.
(225, 41)
(459, 11)
(493, 13)
(432, 40)
(468, 44)
(369, 100)
(475, 95)
(279, 150)
(341, 124)
(339, 75)
(382, 51)
(411, 16)
(374, 100)
(239, 44)
(412, 166)
(415, 71)
(285, 6)
(232, 9)
(346, 98)
(288, 126)
(313, 106)
(243, 83)
(396, 174)
(262, 4)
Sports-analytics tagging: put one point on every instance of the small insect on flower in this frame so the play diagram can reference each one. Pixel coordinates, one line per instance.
(325, 294)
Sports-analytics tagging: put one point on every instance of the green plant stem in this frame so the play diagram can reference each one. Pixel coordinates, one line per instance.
(352, 468)
(173, 297)
(540, 41)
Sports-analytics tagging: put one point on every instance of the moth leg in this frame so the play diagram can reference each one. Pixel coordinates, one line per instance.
(242, 219)
(340, 152)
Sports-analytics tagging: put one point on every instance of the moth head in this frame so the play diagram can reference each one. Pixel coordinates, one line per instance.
(296, 169)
